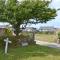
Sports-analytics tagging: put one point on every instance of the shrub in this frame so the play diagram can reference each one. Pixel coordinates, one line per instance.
(13, 39)
(8, 32)
(27, 38)
(58, 35)
(17, 40)
(1, 41)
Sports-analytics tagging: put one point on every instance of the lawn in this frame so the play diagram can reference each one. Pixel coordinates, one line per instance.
(46, 37)
(32, 52)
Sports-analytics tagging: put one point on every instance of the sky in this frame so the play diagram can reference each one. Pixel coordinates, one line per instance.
(54, 22)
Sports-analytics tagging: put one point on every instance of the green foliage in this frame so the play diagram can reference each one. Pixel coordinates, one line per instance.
(58, 35)
(38, 10)
(18, 13)
(8, 32)
(16, 40)
(2, 41)
(47, 32)
(27, 38)
(13, 39)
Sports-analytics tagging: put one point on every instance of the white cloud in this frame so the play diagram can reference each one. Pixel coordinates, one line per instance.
(19, 0)
(55, 4)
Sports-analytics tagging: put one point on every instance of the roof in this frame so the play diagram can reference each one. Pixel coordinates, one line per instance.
(5, 25)
(47, 27)
(29, 29)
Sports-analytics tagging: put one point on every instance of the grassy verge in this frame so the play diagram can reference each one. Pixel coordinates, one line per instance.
(32, 52)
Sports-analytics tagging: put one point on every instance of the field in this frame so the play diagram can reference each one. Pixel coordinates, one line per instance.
(46, 37)
(32, 52)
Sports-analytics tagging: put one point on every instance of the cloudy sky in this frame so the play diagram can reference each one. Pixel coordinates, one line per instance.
(55, 22)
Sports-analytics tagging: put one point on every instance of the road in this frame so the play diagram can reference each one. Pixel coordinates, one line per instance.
(43, 43)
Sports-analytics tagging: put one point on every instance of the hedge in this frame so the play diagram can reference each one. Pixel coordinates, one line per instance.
(11, 38)
(16, 40)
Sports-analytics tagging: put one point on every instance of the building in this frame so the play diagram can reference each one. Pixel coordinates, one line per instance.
(47, 29)
(29, 29)
(3, 26)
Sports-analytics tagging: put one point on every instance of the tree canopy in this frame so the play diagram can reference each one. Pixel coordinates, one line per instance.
(17, 13)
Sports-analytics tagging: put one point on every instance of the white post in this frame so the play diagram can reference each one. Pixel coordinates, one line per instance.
(6, 46)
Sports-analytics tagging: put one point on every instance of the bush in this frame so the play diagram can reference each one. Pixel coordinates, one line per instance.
(59, 35)
(16, 41)
(26, 38)
(8, 32)
(1, 41)
(46, 32)
(13, 39)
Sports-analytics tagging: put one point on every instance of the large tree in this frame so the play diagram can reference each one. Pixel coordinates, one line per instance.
(18, 13)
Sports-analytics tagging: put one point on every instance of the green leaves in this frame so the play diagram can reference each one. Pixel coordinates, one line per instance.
(26, 10)
(19, 12)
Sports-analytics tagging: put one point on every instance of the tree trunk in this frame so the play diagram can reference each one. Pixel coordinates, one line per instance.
(17, 29)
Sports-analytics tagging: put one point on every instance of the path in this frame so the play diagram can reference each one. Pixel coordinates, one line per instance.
(53, 45)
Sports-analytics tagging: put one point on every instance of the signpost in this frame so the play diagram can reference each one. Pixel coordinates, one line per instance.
(6, 46)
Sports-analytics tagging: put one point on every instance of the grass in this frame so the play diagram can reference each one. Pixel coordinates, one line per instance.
(32, 52)
(46, 37)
